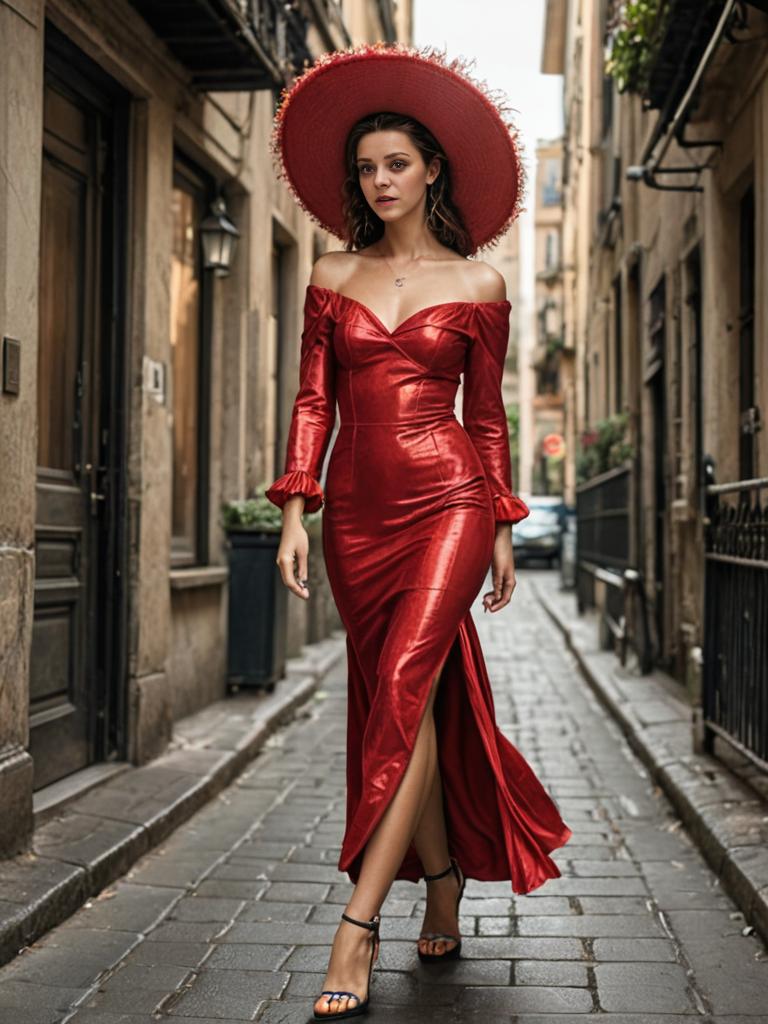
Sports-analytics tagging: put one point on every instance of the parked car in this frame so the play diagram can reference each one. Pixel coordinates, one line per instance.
(539, 535)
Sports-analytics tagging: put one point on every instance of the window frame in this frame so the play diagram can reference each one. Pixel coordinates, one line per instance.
(191, 178)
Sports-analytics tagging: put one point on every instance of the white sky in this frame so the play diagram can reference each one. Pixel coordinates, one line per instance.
(505, 37)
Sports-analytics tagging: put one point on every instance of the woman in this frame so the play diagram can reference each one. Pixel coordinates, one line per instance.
(417, 506)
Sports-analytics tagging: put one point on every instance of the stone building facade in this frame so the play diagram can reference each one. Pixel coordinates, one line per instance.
(140, 389)
(546, 363)
(665, 227)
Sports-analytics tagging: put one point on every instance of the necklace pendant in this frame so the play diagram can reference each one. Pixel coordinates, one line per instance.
(399, 281)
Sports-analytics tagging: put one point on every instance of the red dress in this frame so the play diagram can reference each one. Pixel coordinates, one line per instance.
(409, 509)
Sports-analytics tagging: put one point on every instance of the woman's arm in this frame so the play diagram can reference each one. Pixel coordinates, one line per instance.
(312, 421)
(485, 420)
(483, 413)
(314, 408)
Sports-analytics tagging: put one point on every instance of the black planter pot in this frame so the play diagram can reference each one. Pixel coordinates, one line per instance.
(258, 609)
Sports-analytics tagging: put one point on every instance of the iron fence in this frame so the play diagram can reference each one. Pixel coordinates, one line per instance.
(735, 674)
(605, 576)
(603, 529)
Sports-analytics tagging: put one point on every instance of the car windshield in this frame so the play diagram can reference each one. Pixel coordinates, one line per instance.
(542, 516)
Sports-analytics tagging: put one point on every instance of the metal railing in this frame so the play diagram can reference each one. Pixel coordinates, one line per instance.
(232, 44)
(605, 577)
(735, 675)
(282, 29)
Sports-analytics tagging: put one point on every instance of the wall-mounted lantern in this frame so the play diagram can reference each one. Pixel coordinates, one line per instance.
(219, 236)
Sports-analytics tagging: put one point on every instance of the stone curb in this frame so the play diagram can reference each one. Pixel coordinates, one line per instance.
(726, 818)
(99, 836)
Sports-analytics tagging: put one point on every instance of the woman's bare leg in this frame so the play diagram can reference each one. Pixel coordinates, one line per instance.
(430, 837)
(384, 852)
(431, 842)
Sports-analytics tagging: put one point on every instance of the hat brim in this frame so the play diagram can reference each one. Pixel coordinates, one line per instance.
(471, 124)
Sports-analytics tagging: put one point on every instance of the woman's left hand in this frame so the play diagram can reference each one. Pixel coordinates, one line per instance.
(502, 570)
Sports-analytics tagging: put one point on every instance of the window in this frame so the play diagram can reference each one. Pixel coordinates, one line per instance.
(190, 314)
(552, 250)
(656, 330)
(551, 194)
(618, 347)
(749, 414)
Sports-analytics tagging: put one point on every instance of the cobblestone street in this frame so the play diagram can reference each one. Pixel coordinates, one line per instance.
(231, 918)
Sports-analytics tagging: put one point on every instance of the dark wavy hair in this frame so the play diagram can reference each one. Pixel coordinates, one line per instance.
(364, 226)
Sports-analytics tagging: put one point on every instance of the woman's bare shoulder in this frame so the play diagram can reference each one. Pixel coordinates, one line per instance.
(330, 269)
(487, 283)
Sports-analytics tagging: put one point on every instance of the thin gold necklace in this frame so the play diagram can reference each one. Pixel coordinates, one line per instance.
(401, 278)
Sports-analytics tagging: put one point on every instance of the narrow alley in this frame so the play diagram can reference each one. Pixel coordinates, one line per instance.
(231, 918)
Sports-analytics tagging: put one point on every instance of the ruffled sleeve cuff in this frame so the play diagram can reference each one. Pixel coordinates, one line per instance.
(296, 482)
(508, 508)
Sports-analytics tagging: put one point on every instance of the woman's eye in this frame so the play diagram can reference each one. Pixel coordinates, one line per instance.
(364, 168)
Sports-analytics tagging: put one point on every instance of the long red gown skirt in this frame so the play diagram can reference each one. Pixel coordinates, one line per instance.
(409, 510)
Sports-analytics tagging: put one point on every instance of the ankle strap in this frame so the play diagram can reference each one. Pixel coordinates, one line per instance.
(371, 925)
(442, 874)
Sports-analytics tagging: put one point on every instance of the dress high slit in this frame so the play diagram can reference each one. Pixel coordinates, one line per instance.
(409, 510)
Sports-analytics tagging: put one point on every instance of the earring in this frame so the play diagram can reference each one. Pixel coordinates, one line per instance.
(430, 215)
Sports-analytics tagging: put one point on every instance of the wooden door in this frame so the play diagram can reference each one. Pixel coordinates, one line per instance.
(73, 685)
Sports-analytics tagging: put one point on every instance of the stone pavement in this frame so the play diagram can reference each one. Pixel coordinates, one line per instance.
(91, 835)
(231, 918)
(722, 796)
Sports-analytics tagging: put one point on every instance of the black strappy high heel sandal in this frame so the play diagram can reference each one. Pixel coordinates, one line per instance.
(362, 1005)
(455, 952)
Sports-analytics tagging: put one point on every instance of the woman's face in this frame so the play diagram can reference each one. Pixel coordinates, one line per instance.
(392, 173)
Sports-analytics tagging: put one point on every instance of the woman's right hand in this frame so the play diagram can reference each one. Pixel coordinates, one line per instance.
(294, 548)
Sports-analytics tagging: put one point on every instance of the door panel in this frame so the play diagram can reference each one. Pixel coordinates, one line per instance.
(75, 523)
(63, 207)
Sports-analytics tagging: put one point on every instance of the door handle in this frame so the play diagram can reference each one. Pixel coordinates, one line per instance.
(96, 496)
(95, 499)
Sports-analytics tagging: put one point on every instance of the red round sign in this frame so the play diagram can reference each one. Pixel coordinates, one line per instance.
(553, 445)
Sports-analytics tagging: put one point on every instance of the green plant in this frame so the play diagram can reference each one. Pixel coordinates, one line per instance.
(555, 343)
(513, 421)
(255, 513)
(513, 428)
(633, 38)
(513, 431)
(604, 448)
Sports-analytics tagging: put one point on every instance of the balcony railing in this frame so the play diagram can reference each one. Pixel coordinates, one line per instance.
(690, 27)
(231, 44)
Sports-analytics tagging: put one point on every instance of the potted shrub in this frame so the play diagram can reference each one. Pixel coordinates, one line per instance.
(258, 599)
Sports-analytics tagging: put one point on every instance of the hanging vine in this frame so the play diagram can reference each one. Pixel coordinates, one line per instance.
(632, 36)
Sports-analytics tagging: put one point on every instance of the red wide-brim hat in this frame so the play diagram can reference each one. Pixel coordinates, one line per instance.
(471, 122)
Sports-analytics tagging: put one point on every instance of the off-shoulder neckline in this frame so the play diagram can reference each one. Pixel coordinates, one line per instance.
(419, 312)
